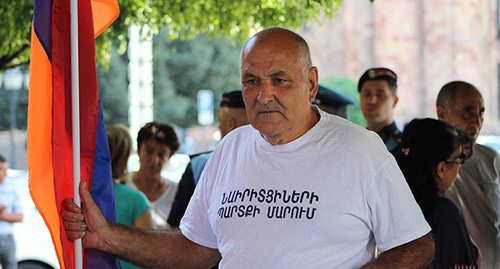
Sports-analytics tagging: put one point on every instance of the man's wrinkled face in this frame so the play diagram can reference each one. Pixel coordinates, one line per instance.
(466, 112)
(277, 89)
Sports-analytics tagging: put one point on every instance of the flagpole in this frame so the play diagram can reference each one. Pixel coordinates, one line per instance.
(75, 109)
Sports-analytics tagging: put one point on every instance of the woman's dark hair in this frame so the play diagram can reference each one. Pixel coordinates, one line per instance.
(161, 132)
(426, 143)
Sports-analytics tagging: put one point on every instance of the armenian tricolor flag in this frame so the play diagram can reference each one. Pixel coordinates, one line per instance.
(49, 135)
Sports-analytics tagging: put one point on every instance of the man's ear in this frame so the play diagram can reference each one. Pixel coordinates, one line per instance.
(396, 99)
(313, 83)
(440, 112)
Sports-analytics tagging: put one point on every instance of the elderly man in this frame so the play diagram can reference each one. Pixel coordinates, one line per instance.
(477, 188)
(273, 194)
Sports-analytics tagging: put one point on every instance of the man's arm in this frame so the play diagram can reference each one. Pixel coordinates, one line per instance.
(11, 217)
(151, 249)
(416, 254)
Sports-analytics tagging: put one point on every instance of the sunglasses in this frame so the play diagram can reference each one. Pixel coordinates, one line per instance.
(460, 160)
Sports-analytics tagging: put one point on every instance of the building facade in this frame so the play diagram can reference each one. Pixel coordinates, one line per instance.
(427, 43)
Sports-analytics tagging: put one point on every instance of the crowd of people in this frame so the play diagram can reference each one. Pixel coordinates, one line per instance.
(294, 184)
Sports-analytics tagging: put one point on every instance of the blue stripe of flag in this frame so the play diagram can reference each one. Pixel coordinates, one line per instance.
(102, 192)
(42, 23)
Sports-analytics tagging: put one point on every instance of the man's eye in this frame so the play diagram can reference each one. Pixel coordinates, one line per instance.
(467, 113)
(251, 81)
(279, 80)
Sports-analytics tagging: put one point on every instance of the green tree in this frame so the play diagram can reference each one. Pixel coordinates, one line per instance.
(185, 19)
(113, 89)
(182, 67)
(15, 32)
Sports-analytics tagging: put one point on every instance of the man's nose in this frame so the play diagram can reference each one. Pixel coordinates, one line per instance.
(266, 92)
(372, 98)
(476, 120)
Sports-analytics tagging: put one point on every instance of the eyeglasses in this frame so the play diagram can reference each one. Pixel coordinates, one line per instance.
(460, 160)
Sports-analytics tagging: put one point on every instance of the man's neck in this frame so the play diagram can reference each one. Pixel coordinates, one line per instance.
(378, 126)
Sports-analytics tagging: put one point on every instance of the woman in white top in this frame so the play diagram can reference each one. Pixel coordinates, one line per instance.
(156, 143)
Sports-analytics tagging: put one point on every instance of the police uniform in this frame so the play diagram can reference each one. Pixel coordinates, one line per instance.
(391, 136)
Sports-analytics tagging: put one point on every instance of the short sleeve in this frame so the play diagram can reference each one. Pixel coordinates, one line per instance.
(140, 205)
(396, 217)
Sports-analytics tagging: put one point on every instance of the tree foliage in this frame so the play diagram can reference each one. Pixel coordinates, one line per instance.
(113, 89)
(185, 19)
(183, 67)
(15, 32)
(180, 69)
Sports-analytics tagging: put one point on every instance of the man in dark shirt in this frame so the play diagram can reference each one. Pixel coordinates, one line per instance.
(377, 89)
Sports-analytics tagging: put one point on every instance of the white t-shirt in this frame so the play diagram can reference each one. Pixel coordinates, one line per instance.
(323, 200)
(161, 206)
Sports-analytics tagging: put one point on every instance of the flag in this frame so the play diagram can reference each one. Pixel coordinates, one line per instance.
(49, 133)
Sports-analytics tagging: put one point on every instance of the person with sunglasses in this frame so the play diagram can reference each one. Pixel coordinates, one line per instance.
(430, 160)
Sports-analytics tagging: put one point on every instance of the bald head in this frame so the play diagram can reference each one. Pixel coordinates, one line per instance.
(448, 93)
(283, 39)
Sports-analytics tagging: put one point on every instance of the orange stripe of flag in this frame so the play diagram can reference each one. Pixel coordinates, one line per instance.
(40, 133)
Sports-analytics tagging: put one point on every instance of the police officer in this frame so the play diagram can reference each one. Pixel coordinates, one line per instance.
(332, 102)
(377, 89)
